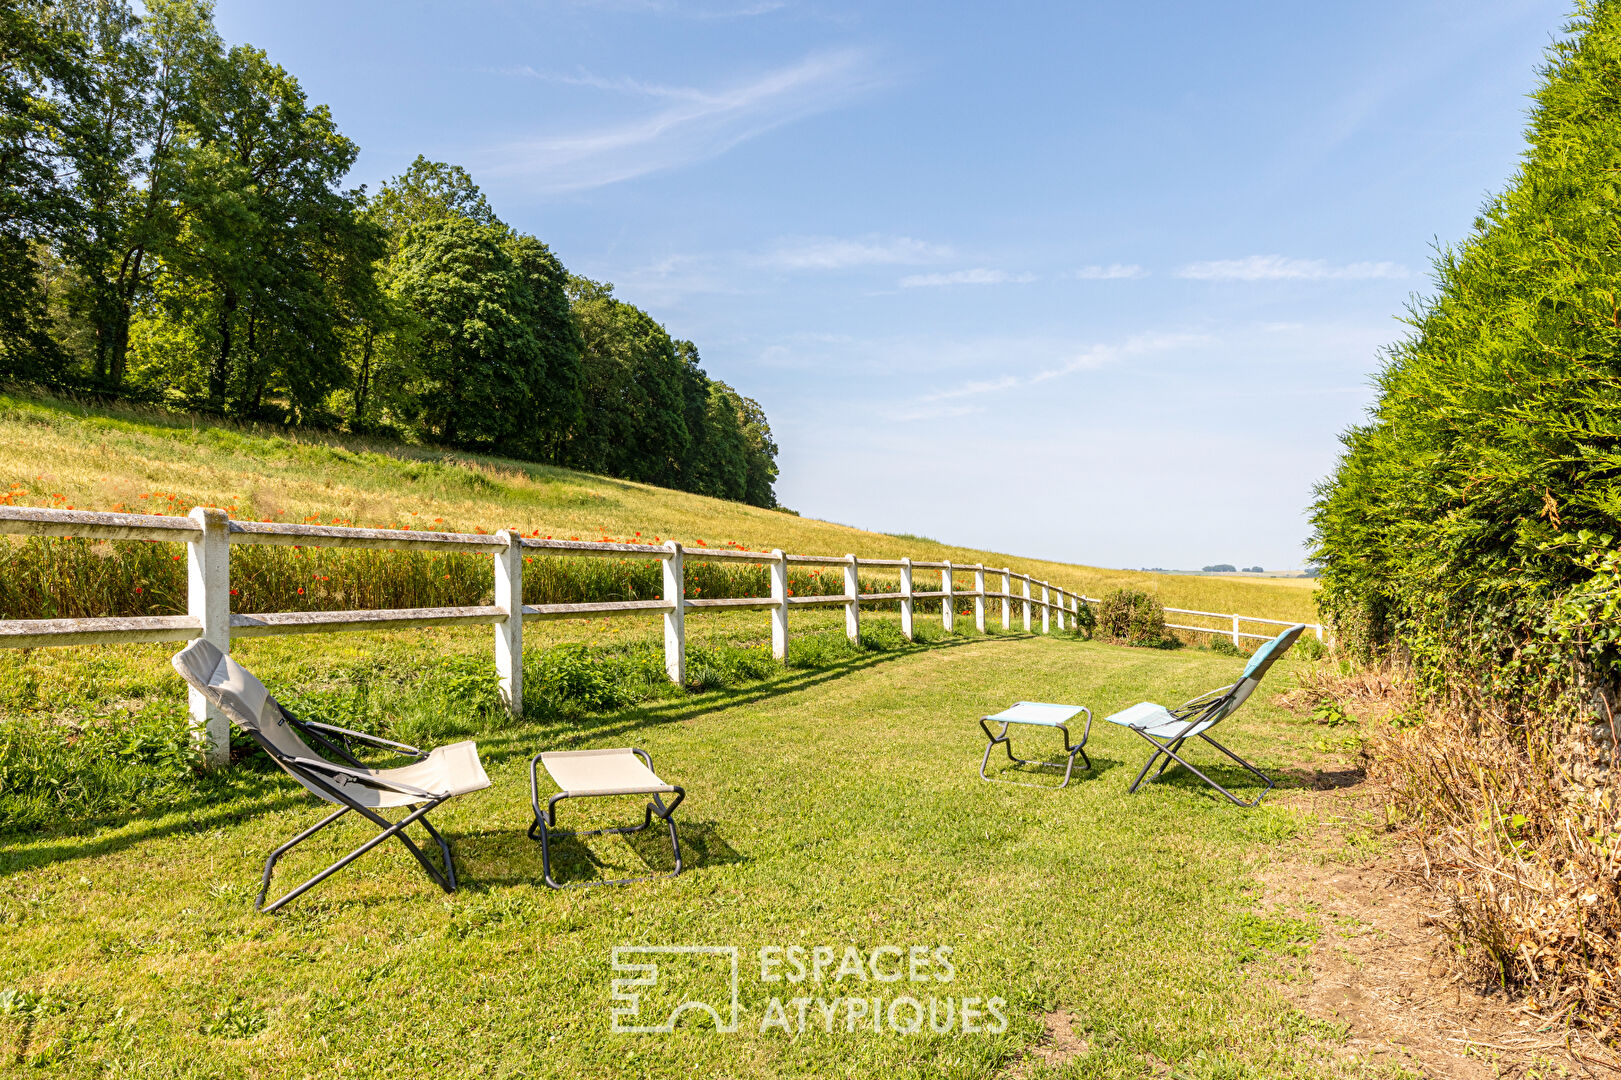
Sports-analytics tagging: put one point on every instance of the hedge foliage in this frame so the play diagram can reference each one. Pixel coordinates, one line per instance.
(1471, 523)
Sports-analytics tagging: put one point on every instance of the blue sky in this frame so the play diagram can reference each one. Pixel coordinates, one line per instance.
(1091, 281)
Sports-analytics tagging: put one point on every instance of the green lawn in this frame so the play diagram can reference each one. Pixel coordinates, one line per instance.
(836, 805)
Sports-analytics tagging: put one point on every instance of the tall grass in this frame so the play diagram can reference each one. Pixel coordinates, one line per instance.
(79, 578)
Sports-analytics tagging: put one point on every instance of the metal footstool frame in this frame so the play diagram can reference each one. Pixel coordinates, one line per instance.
(544, 827)
(1007, 718)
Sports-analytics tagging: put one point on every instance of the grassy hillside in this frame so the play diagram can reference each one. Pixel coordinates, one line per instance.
(60, 453)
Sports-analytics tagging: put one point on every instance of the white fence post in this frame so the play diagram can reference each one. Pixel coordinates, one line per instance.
(779, 614)
(1060, 613)
(948, 609)
(509, 631)
(1007, 605)
(1319, 631)
(1046, 608)
(1235, 629)
(208, 599)
(979, 597)
(1025, 584)
(852, 606)
(675, 620)
(906, 598)
(1075, 613)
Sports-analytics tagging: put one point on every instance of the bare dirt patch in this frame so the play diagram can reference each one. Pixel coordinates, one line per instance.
(1058, 1044)
(1380, 965)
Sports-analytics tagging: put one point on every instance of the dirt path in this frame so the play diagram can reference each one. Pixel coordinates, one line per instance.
(1379, 966)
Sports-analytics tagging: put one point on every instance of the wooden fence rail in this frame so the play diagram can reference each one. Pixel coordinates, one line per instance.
(209, 534)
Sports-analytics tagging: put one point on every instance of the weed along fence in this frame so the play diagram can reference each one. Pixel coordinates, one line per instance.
(210, 534)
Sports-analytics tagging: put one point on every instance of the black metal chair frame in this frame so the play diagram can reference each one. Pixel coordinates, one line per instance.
(544, 827)
(1006, 740)
(1200, 710)
(331, 779)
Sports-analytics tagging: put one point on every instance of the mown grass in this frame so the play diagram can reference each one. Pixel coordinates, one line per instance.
(60, 453)
(835, 802)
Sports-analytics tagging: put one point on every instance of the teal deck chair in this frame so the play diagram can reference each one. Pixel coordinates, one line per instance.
(1168, 729)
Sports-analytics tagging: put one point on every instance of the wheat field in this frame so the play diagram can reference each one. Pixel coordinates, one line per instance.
(55, 452)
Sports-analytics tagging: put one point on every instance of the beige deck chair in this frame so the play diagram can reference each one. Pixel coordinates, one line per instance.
(437, 775)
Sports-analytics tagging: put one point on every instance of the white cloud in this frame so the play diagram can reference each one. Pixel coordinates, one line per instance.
(1112, 272)
(1280, 268)
(977, 276)
(693, 126)
(834, 253)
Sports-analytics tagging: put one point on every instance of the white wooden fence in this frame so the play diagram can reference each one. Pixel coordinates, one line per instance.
(210, 533)
(1236, 633)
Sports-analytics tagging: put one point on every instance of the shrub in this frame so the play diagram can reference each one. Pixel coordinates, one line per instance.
(1086, 619)
(1309, 648)
(1133, 617)
(1224, 646)
(570, 681)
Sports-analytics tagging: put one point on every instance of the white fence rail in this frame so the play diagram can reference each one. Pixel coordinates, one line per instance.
(209, 535)
(1236, 633)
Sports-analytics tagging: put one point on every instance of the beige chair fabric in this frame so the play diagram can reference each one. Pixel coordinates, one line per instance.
(447, 770)
(585, 773)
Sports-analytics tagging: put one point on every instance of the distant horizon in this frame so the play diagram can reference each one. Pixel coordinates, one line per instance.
(1105, 272)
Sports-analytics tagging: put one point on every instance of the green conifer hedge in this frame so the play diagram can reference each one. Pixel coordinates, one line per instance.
(1472, 522)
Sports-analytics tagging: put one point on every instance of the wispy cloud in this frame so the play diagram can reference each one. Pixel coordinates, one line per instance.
(1085, 359)
(1112, 272)
(689, 11)
(937, 412)
(1280, 268)
(836, 253)
(623, 85)
(977, 276)
(694, 125)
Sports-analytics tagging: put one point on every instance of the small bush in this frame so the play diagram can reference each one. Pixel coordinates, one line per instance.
(1224, 647)
(717, 668)
(884, 637)
(1330, 713)
(570, 681)
(1133, 617)
(1086, 620)
(1309, 648)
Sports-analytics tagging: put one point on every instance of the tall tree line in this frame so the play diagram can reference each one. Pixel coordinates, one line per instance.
(174, 228)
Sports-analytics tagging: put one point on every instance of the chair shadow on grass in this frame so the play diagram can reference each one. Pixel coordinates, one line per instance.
(1231, 777)
(576, 861)
(1048, 776)
(499, 747)
(204, 813)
